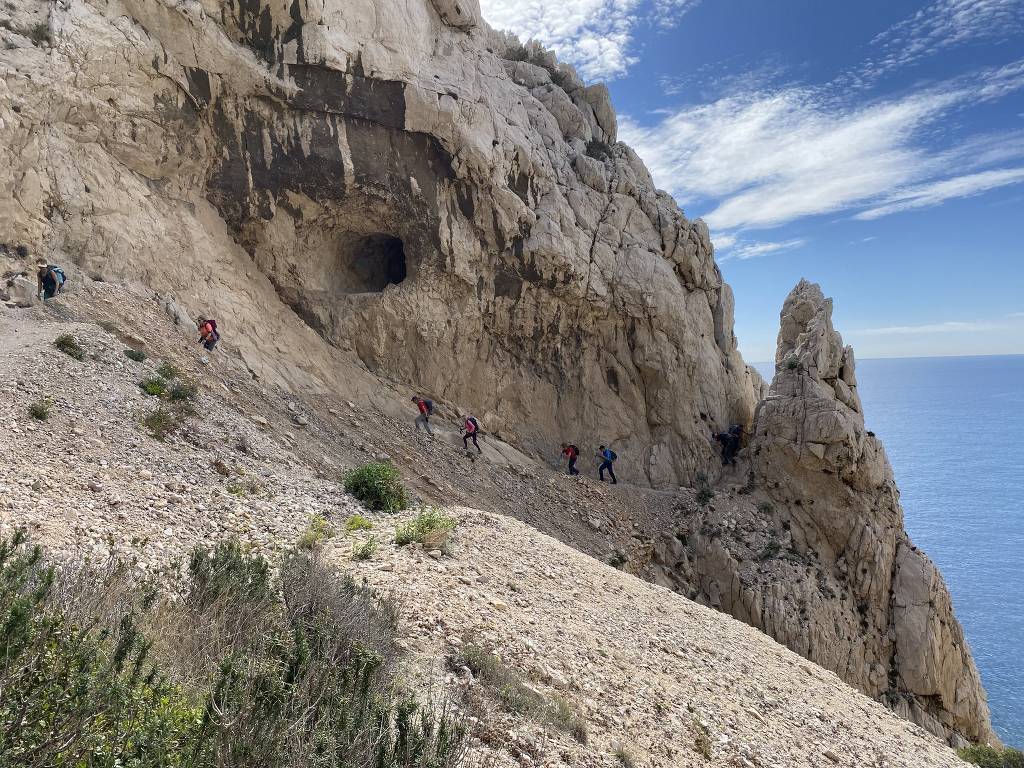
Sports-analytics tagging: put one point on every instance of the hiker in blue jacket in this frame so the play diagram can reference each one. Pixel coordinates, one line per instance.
(607, 457)
(50, 280)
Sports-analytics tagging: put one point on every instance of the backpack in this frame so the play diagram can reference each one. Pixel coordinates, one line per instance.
(575, 450)
(476, 424)
(735, 430)
(430, 406)
(612, 455)
(59, 272)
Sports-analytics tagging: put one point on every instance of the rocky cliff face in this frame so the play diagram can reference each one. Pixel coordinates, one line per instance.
(441, 205)
(386, 188)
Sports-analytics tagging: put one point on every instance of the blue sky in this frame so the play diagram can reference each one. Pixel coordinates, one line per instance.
(876, 147)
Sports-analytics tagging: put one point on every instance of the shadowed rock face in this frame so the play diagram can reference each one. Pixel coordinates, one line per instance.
(358, 187)
(813, 454)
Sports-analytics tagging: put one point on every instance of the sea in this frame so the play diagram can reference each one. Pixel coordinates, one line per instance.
(954, 431)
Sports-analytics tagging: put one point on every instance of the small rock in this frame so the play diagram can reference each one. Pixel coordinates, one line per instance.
(435, 553)
(831, 755)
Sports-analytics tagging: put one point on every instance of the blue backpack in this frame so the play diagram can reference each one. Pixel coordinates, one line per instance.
(59, 274)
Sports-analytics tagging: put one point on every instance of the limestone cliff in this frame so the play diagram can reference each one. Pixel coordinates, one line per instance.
(368, 190)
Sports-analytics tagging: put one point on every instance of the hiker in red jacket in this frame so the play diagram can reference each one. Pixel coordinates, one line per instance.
(470, 429)
(426, 409)
(571, 452)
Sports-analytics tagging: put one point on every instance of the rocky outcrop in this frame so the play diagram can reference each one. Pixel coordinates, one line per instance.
(813, 454)
(438, 203)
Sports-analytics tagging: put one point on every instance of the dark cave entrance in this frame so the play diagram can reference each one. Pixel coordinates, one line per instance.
(373, 262)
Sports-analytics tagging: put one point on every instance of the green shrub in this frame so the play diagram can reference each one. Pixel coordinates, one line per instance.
(794, 364)
(704, 492)
(599, 150)
(364, 550)
(241, 669)
(625, 757)
(162, 423)
(357, 523)
(317, 532)
(771, 550)
(39, 34)
(137, 355)
(378, 486)
(40, 410)
(154, 386)
(68, 344)
(167, 371)
(990, 757)
(430, 520)
(182, 391)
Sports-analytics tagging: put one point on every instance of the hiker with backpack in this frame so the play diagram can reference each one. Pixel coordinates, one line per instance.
(426, 409)
(571, 452)
(208, 335)
(731, 442)
(471, 428)
(607, 457)
(50, 280)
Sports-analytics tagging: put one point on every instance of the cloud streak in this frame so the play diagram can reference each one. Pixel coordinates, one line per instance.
(950, 326)
(747, 250)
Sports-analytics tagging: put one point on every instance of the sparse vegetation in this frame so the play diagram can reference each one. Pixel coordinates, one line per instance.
(220, 468)
(599, 150)
(39, 34)
(625, 757)
(766, 508)
(364, 550)
(770, 550)
(154, 386)
(317, 532)
(793, 364)
(704, 493)
(162, 422)
(136, 355)
(167, 371)
(424, 528)
(357, 522)
(69, 345)
(109, 326)
(616, 559)
(242, 668)
(182, 391)
(379, 486)
(507, 687)
(40, 410)
(991, 757)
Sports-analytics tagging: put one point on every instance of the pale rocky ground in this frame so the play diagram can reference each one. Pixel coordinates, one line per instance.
(640, 663)
(263, 162)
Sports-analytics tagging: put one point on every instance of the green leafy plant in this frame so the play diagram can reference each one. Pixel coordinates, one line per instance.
(317, 532)
(357, 522)
(162, 423)
(794, 364)
(39, 34)
(136, 355)
(182, 391)
(69, 345)
(991, 757)
(154, 386)
(379, 486)
(40, 410)
(167, 371)
(424, 527)
(704, 493)
(364, 550)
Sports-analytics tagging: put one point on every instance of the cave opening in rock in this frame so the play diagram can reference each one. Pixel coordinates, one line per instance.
(373, 262)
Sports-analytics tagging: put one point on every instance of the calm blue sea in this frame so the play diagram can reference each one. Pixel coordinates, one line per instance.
(954, 431)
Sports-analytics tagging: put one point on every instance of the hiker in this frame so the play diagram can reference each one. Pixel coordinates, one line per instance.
(731, 442)
(571, 452)
(208, 335)
(50, 280)
(470, 429)
(426, 409)
(607, 457)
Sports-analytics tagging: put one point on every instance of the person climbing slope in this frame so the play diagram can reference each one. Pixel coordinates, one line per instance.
(50, 280)
(471, 429)
(571, 453)
(208, 335)
(426, 410)
(607, 457)
(731, 442)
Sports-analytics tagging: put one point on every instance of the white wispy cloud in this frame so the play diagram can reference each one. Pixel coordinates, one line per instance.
(948, 189)
(741, 251)
(942, 25)
(767, 158)
(596, 36)
(950, 326)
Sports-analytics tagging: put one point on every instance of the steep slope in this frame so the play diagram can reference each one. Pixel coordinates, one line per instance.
(373, 196)
(647, 672)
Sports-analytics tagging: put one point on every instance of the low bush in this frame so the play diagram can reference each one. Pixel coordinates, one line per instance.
(69, 345)
(625, 757)
(357, 523)
(162, 422)
(40, 410)
(109, 326)
(154, 386)
(39, 34)
(422, 528)
(235, 667)
(182, 391)
(704, 492)
(378, 486)
(991, 757)
(599, 150)
(364, 550)
(317, 532)
(167, 371)
(136, 355)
